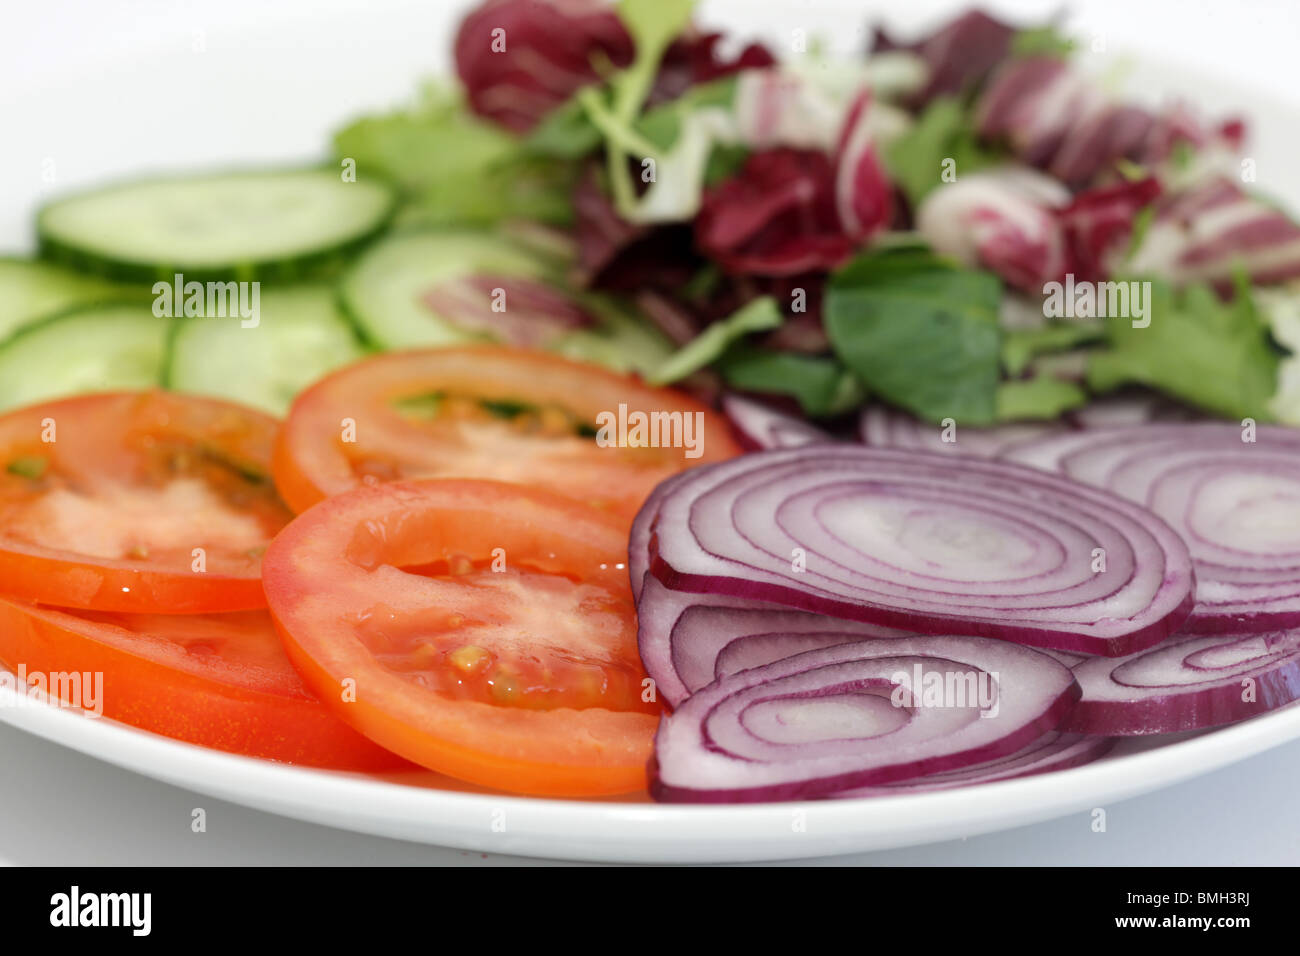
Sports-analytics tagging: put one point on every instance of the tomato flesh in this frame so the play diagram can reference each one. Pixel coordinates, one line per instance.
(218, 680)
(488, 631)
(137, 502)
(486, 412)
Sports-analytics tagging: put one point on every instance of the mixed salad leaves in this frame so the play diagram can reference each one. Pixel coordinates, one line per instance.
(902, 211)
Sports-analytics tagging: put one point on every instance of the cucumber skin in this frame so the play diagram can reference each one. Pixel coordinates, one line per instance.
(177, 325)
(123, 296)
(286, 269)
(109, 303)
(403, 231)
(54, 317)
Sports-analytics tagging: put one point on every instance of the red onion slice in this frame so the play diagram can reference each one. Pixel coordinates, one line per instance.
(760, 427)
(882, 427)
(687, 640)
(1236, 503)
(858, 714)
(903, 539)
(1052, 751)
(1198, 681)
(638, 539)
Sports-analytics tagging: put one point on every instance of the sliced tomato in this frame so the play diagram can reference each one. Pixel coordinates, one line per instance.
(219, 680)
(139, 502)
(487, 631)
(498, 413)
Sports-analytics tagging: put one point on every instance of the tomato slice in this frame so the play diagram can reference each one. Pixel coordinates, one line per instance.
(486, 629)
(219, 680)
(497, 413)
(137, 502)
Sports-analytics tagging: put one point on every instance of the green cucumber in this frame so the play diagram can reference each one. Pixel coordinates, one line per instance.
(30, 290)
(384, 288)
(300, 335)
(92, 348)
(237, 225)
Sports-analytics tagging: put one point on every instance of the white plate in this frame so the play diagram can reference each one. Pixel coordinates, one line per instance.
(271, 90)
(425, 808)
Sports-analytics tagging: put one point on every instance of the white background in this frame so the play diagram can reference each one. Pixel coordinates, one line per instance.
(95, 88)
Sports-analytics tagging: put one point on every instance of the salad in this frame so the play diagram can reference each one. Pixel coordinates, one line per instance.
(640, 410)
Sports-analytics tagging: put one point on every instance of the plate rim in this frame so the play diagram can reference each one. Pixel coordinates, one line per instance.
(603, 830)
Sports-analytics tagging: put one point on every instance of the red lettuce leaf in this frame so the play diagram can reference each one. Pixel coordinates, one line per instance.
(776, 217)
(960, 55)
(550, 47)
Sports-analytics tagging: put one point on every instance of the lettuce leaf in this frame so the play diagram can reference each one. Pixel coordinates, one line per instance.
(919, 332)
(945, 130)
(453, 167)
(1213, 354)
(821, 385)
(1022, 346)
(760, 315)
(1037, 399)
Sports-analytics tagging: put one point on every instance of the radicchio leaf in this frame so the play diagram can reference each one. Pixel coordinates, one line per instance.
(1058, 119)
(959, 55)
(1098, 225)
(1207, 233)
(519, 59)
(1026, 228)
(777, 216)
(695, 59)
(1005, 220)
(509, 309)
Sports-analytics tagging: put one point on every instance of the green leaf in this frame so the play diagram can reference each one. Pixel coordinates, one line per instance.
(1209, 353)
(1041, 398)
(453, 167)
(653, 24)
(1022, 346)
(921, 334)
(944, 131)
(760, 315)
(822, 386)
(565, 133)
(624, 340)
(1042, 41)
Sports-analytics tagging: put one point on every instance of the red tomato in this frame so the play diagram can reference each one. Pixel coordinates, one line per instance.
(486, 629)
(141, 501)
(498, 413)
(219, 680)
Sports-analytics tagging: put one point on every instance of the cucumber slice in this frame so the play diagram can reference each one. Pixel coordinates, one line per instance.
(237, 225)
(91, 348)
(30, 290)
(384, 293)
(383, 290)
(301, 335)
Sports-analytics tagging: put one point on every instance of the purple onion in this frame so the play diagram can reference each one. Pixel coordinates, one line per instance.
(905, 540)
(761, 427)
(1189, 683)
(1235, 502)
(1052, 751)
(857, 715)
